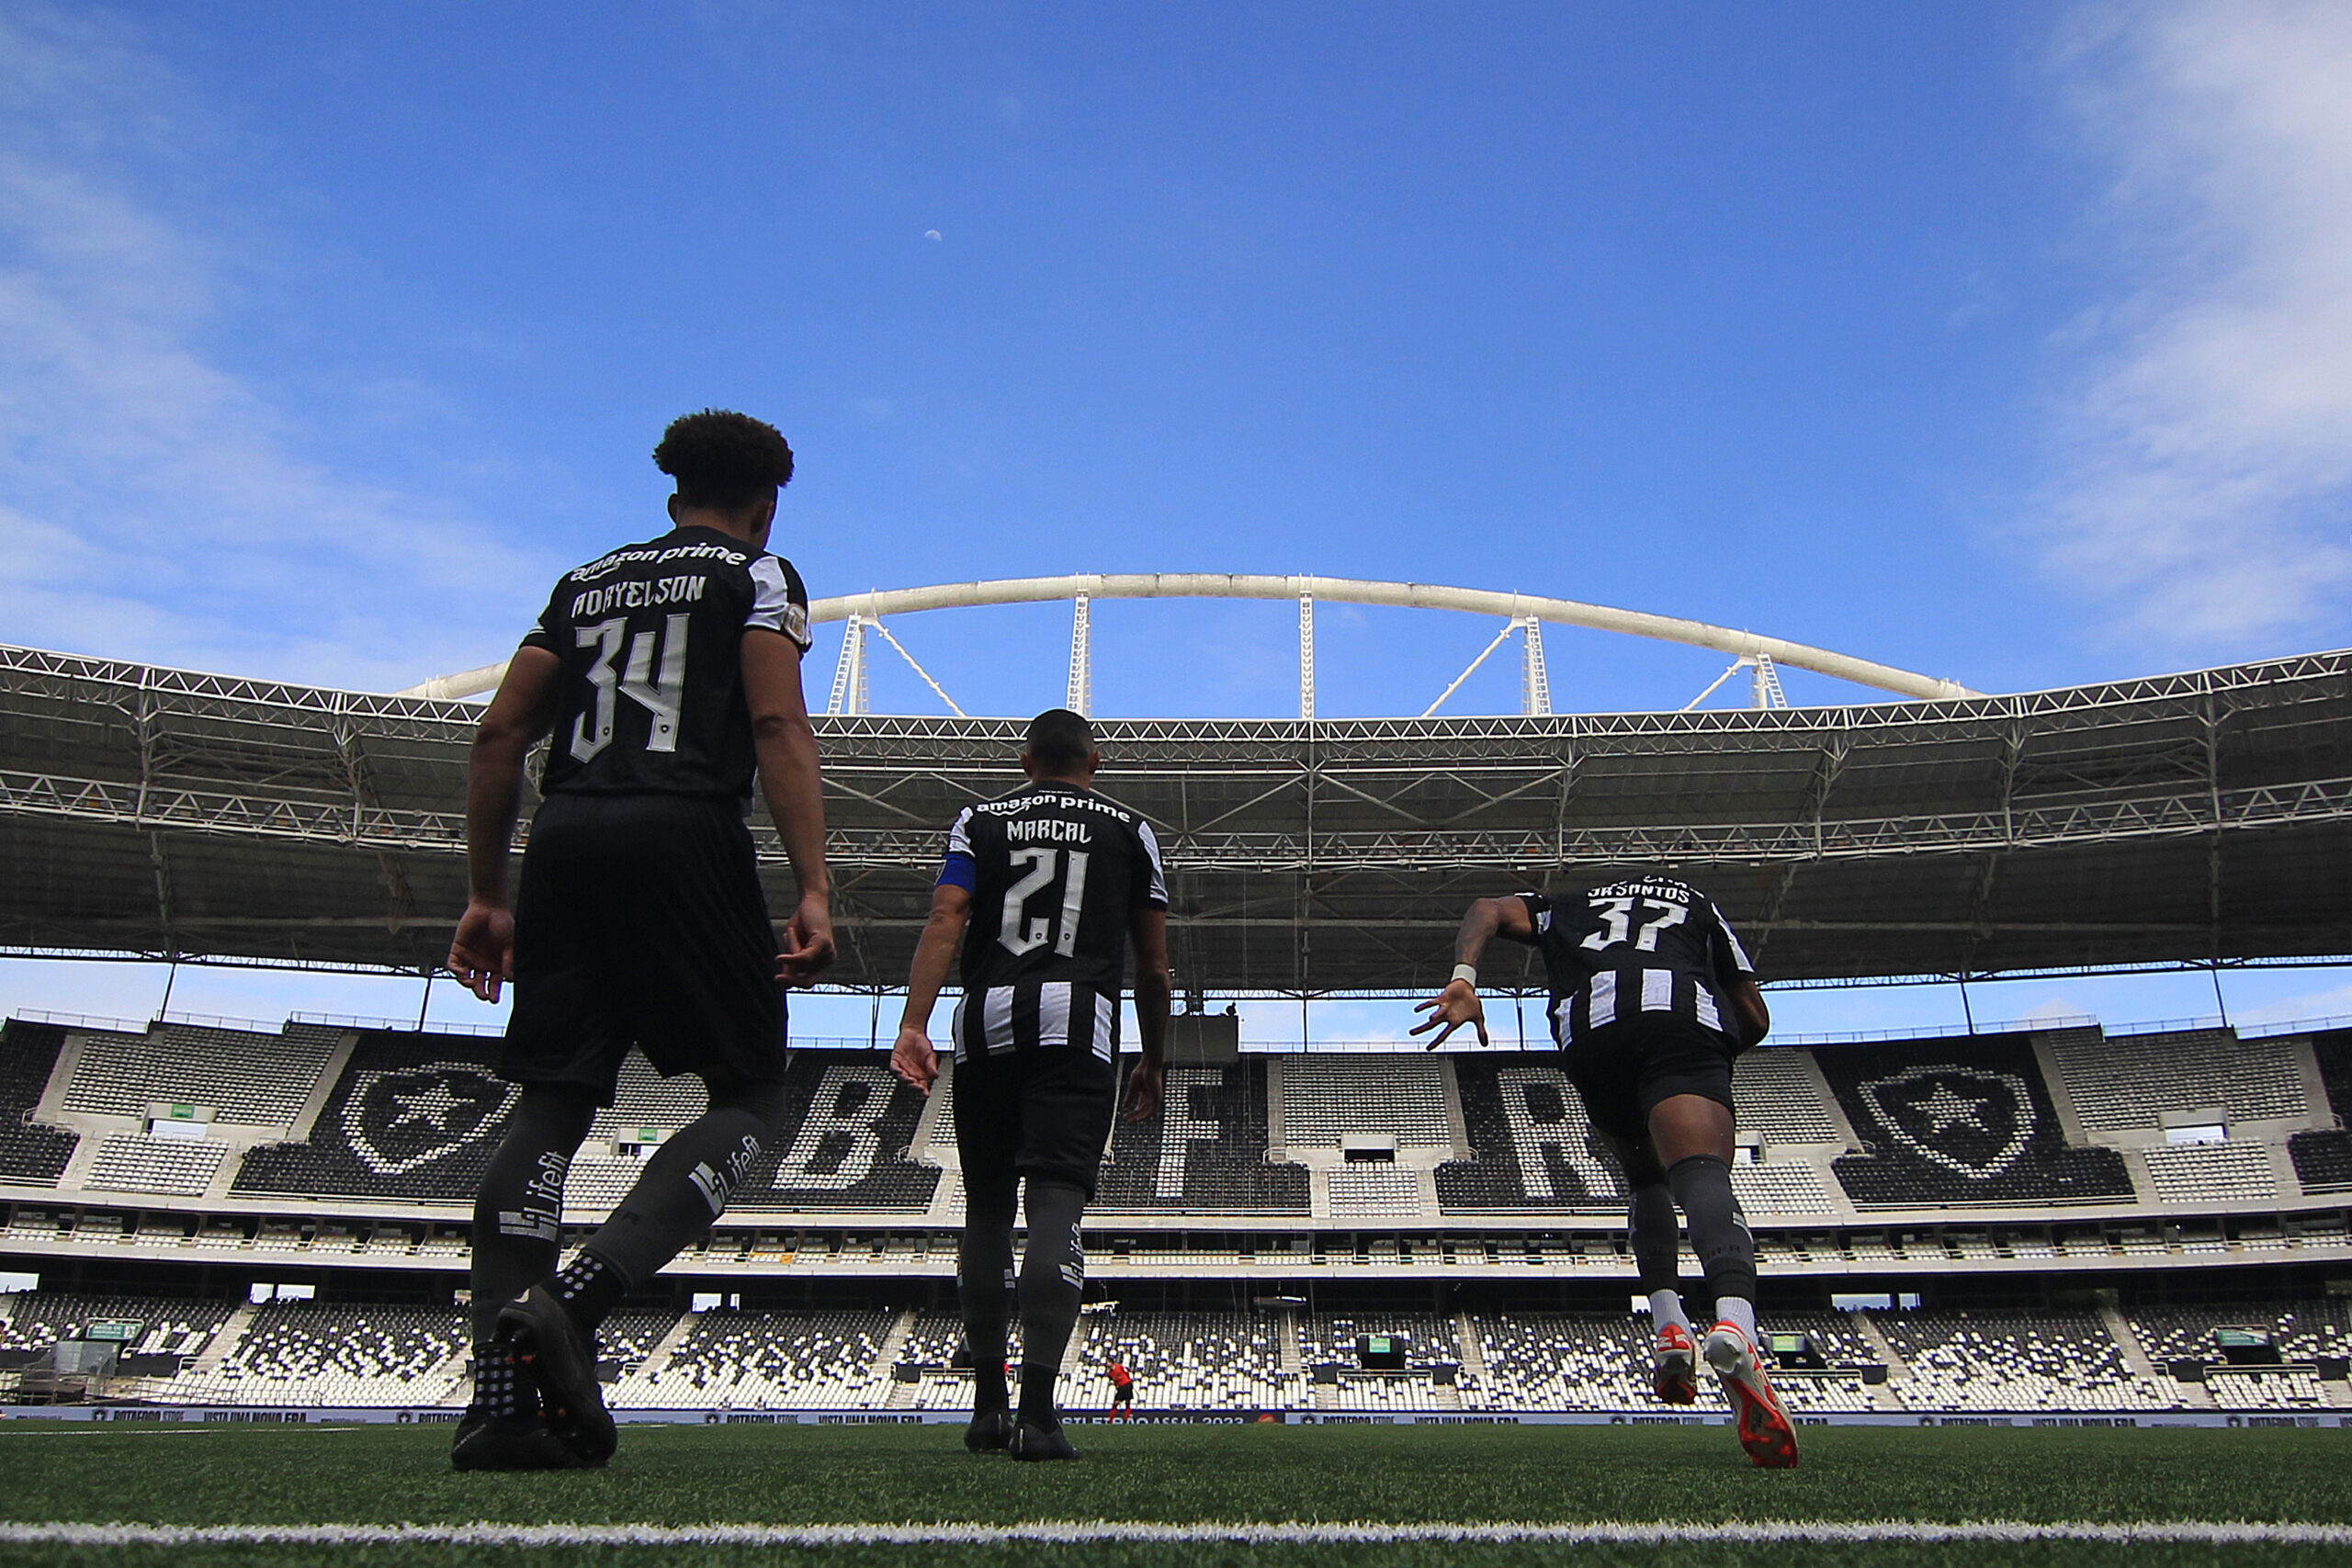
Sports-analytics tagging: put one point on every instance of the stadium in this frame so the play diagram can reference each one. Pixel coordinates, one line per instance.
(2034, 1225)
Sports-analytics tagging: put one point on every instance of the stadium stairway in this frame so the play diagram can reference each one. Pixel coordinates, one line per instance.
(2135, 1357)
(1883, 1395)
(1472, 1349)
(657, 1360)
(894, 1343)
(224, 1339)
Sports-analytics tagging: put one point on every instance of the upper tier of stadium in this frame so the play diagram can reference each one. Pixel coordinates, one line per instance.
(2194, 819)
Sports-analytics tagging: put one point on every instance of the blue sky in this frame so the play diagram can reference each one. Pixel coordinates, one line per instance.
(2004, 342)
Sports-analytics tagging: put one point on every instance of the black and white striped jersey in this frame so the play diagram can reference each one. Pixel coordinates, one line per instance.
(650, 700)
(1056, 874)
(1649, 944)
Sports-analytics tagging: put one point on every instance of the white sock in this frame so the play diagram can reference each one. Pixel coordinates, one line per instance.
(1665, 1306)
(1740, 1312)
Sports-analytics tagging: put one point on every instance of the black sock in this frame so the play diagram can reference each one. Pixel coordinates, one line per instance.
(1053, 1278)
(518, 1213)
(589, 1291)
(1719, 1233)
(984, 1281)
(1657, 1236)
(685, 1186)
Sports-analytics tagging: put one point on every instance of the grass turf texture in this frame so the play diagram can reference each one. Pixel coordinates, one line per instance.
(668, 1475)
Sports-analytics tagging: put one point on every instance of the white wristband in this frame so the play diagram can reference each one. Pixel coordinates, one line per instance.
(1466, 975)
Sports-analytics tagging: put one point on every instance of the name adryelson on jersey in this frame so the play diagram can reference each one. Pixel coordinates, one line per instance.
(651, 636)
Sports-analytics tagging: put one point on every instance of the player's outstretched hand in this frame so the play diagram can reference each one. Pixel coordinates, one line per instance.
(810, 941)
(1456, 1005)
(913, 1059)
(481, 956)
(1144, 1087)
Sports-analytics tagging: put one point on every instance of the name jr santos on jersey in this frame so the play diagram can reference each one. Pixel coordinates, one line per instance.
(1647, 945)
(1045, 948)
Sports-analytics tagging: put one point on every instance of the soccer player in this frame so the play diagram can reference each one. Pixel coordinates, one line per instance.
(1652, 997)
(1045, 890)
(1123, 1387)
(668, 673)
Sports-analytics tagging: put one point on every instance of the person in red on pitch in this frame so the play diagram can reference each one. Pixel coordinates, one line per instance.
(1122, 1388)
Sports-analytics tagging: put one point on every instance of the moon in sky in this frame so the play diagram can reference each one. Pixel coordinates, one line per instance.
(931, 233)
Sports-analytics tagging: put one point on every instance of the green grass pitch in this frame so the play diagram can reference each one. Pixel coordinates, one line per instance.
(802, 1476)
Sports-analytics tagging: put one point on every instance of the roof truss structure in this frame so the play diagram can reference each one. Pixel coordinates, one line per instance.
(2205, 816)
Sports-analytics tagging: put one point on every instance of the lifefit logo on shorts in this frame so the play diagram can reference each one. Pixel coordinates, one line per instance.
(399, 1120)
(1963, 1119)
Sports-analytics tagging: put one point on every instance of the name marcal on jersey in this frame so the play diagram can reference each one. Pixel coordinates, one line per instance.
(637, 595)
(618, 558)
(1052, 827)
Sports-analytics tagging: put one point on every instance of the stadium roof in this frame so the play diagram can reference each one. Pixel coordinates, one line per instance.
(2188, 817)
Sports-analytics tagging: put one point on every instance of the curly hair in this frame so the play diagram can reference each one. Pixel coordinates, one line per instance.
(724, 459)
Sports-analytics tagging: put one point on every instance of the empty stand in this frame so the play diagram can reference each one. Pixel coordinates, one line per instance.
(134, 1162)
(816, 1361)
(1959, 1122)
(2119, 1083)
(308, 1353)
(1206, 1152)
(1777, 1095)
(1328, 1099)
(2304, 1330)
(844, 1143)
(414, 1117)
(30, 1154)
(1783, 1186)
(1372, 1191)
(2233, 1172)
(249, 1078)
(2019, 1361)
(1531, 1145)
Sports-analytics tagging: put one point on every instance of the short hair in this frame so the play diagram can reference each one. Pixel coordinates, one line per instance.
(724, 459)
(1059, 738)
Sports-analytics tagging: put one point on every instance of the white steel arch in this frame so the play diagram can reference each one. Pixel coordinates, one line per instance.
(1748, 647)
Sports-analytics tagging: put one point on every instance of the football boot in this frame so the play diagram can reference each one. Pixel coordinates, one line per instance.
(1674, 1365)
(1765, 1429)
(552, 1350)
(1031, 1441)
(990, 1431)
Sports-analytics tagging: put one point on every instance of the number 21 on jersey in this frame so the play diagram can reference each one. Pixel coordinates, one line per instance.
(1022, 931)
(1617, 922)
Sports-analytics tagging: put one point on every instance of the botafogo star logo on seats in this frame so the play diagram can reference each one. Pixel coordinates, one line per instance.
(397, 1120)
(1964, 1119)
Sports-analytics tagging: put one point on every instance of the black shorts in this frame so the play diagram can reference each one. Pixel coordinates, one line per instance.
(1622, 1070)
(1044, 1113)
(1123, 1393)
(640, 921)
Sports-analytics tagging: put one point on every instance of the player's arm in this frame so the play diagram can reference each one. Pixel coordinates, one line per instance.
(1458, 1004)
(912, 1057)
(1737, 975)
(1755, 1018)
(785, 744)
(1155, 984)
(482, 953)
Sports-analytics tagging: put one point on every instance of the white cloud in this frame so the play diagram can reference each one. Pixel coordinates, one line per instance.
(2204, 477)
(154, 504)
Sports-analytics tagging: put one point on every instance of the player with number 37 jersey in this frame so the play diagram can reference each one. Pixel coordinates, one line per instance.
(1646, 946)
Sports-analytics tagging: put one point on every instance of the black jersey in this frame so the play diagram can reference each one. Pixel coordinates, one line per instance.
(1646, 946)
(1055, 873)
(650, 635)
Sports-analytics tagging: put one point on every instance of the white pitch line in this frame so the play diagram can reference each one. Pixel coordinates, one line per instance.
(1080, 1532)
